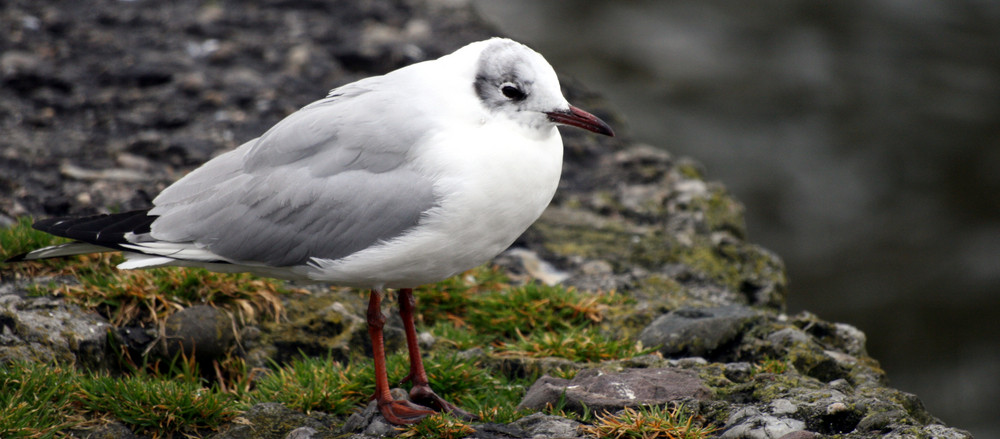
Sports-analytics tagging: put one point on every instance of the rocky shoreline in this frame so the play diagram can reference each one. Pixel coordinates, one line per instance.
(106, 103)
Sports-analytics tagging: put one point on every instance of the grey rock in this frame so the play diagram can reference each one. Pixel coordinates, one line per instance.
(841, 385)
(880, 420)
(497, 431)
(301, 433)
(810, 357)
(750, 423)
(377, 425)
(697, 331)
(525, 266)
(540, 425)
(369, 422)
(851, 339)
(939, 431)
(200, 331)
(783, 406)
(426, 340)
(321, 324)
(112, 430)
(738, 372)
(44, 329)
(645, 361)
(598, 391)
(787, 337)
(687, 362)
(358, 421)
(274, 420)
(936, 431)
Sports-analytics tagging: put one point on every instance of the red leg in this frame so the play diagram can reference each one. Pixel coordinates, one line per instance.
(421, 391)
(396, 412)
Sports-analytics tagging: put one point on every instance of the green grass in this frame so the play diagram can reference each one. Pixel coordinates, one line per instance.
(21, 238)
(44, 400)
(323, 384)
(770, 365)
(36, 401)
(144, 297)
(479, 309)
(439, 426)
(138, 297)
(40, 400)
(315, 384)
(152, 404)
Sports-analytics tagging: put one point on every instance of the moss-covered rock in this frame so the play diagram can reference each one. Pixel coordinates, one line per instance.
(46, 329)
(326, 322)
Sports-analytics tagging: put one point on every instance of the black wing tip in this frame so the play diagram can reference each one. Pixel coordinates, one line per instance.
(17, 258)
(50, 225)
(107, 230)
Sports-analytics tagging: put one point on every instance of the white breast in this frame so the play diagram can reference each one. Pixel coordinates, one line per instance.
(494, 180)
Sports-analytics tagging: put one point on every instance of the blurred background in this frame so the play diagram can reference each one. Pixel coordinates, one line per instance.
(863, 137)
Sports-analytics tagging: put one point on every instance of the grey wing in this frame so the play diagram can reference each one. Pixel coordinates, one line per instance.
(320, 184)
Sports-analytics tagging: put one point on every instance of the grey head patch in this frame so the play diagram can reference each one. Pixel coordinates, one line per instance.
(504, 77)
(515, 82)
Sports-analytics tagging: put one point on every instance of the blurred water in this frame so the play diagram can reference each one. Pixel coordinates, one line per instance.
(863, 137)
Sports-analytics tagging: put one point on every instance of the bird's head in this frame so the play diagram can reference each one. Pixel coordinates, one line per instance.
(513, 80)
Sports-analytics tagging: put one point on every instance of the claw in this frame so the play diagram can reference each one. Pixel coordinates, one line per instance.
(424, 395)
(403, 412)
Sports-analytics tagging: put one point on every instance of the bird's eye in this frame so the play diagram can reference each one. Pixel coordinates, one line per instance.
(512, 92)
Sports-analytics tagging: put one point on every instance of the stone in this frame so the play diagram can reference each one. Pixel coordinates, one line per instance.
(274, 420)
(852, 340)
(738, 372)
(939, 431)
(880, 421)
(45, 329)
(608, 392)
(426, 340)
(320, 324)
(540, 425)
(200, 331)
(697, 331)
(301, 433)
(750, 423)
(525, 265)
(498, 431)
(783, 406)
(369, 422)
(788, 337)
(358, 421)
(111, 430)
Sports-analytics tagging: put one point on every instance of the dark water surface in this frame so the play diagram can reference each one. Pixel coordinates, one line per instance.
(863, 137)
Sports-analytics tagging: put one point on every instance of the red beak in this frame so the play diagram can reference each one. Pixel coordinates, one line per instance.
(581, 119)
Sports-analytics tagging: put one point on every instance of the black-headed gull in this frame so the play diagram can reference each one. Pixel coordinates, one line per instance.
(392, 181)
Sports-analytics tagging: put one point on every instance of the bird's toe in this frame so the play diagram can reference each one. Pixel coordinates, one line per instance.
(403, 412)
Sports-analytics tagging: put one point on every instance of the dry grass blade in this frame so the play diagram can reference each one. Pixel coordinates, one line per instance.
(649, 423)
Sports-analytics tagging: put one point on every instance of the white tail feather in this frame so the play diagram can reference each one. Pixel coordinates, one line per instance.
(68, 249)
(176, 250)
(139, 260)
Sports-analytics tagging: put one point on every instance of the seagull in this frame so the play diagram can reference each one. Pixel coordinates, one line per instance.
(390, 182)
